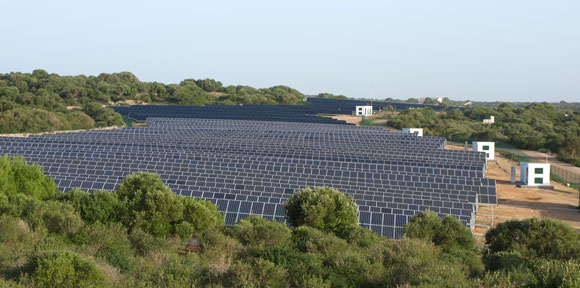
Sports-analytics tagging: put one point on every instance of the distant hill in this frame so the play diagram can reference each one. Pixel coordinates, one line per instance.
(39, 101)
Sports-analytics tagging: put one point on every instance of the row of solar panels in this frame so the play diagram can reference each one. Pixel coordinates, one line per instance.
(196, 158)
(285, 113)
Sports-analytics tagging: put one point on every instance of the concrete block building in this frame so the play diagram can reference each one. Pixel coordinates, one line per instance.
(535, 174)
(487, 147)
(418, 131)
(364, 111)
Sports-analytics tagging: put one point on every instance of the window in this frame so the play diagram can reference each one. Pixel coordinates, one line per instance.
(485, 147)
(487, 155)
(538, 180)
(539, 170)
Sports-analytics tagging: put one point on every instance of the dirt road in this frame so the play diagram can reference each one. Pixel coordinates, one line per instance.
(553, 161)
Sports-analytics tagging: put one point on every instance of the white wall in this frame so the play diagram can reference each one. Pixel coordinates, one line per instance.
(487, 147)
(531, 177)
(418, 131)
(363, 110)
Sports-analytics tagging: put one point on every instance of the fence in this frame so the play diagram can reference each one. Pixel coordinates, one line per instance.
(557, 174)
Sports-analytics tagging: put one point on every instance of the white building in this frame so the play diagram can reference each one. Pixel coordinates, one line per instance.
(487, 147)
(491, 120)
(535, 174)
(418, 131)
(364, 111)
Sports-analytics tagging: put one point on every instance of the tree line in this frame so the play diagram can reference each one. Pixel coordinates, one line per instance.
(136, 237)
(538, 126)
(77, 102)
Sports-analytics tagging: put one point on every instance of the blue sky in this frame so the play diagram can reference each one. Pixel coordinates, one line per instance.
(506, 50)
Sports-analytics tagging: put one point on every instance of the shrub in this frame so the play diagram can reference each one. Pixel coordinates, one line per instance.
(63, 269)
(184, 230)
(555, 273)
(546, 238)
(260, 273)
(257, 232)
(418, 263)
(55, 217)
(219, 251)
(423, 226)
(362, 237)
(17, 177)
(100, 206)
(151, 206)
(143, 242)
(110, 242)
(203, 215)
(323, 208)
(505, 260)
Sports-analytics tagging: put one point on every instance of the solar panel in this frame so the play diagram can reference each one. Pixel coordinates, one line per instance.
(250, 167)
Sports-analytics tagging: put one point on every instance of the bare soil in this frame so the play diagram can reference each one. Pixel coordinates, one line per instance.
(348, 118)
(56, 132)
(520, 203)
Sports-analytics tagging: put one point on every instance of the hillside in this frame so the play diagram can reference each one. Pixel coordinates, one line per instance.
(39, 101)
(538, 126)
(144, 235)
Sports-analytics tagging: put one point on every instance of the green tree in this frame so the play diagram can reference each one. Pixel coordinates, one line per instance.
(63, 269)
(151, 206)
(323, 208)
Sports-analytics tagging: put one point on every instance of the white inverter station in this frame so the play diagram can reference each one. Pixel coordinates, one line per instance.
(418, 131)
(364, 111)
(535, 174)
(487, 147)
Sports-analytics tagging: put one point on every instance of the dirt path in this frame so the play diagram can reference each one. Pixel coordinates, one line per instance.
(348, 118)
(553, 161)
(56, 132)
(520, 203)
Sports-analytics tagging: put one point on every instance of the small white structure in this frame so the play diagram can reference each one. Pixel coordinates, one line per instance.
(363, 111)
(418, 131)
(491, 120)
(440, 100)
(535, 174)
(487, 147)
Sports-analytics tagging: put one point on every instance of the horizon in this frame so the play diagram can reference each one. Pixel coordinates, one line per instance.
(521, 51)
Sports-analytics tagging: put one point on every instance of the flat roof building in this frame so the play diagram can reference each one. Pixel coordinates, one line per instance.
(418, 131)
(487, 147)
(535, 174)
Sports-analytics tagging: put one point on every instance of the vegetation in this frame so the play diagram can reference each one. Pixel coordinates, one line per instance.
(539, 126)
(132, 237)
(39, 101)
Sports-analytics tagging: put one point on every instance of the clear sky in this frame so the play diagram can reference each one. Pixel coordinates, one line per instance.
(507, 50)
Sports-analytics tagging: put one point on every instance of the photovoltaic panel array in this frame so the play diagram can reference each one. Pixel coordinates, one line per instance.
(252, 167)
(283, 113)
(347, 106)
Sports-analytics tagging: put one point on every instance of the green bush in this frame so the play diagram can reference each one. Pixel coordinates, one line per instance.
(18, 177)
(184, 230)
(143, 242)
(419, 263)
(219, 251)
(55, 217)
(150, 204)
(554, 273)
(203, 215)
(323, 208)
(63, 269)
(505, 260)
(257, 232)
(425, 226)
(100, 206)
(532, 238)
(259, 273)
